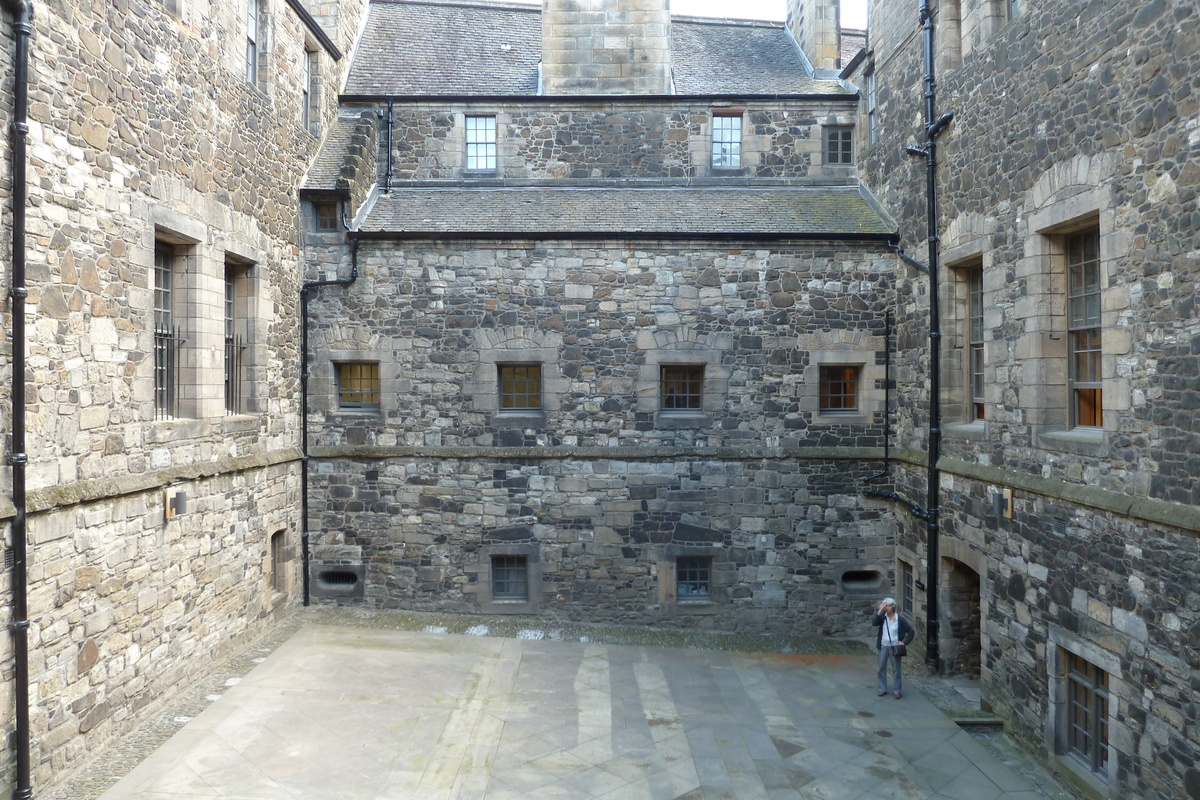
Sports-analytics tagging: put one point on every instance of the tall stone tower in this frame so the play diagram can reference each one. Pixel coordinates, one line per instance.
(606, 47)
(815, 24)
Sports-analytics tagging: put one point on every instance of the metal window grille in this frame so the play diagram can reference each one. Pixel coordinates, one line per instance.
(358, 386)
(839, 145)
(1083, 328)
(510, 578)
(520, 387)
(166, 335)
(839, 389)
(252, 41)
(682, 387)
(1087, 710)
(166, 372)
(278, 557)
(727, 142)
(975, 337)
(693, 576)
(234, 349)
(481, 143)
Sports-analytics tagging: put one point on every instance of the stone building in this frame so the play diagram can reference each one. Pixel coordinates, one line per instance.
(166, 141)
(615, 345)
(1068, 220)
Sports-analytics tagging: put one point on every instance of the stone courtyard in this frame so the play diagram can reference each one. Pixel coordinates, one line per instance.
(358, 711)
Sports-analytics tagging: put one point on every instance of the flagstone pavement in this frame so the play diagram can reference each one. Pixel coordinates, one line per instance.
(368, 714)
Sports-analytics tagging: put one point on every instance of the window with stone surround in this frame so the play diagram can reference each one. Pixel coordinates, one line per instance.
(358, 386)
(1086, 714)
(906, 587)
(681, 387)
(839, 388)
(726, 140)
(235, 342)
(1083, 328)
(481, 143)
(508, 578)
(839, 144)
(520, 387)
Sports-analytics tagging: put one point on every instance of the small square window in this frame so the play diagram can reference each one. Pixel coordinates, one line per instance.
(839, 145)
(358, 386)
(520, 387)
(510, 578)
(481, 144)
(693, 578)
(839, 389)
(727, 142)
(681, 387)
(326, 217)
(1086, 714)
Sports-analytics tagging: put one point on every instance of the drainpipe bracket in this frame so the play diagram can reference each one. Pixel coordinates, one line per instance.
(19, 625)
(18, 458)
(19, 292)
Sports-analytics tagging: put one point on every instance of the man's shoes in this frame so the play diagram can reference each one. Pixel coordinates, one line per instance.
(896, 695)
(881, 694)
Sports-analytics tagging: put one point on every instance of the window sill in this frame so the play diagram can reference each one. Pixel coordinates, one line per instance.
(278, 599)
(239, 423)
(1079, 777)
(836, 418)
(508, 607)
(173, 430)
(682, 420)
(1080, 441)
(976, 431)
(691, 608)
(519, 419)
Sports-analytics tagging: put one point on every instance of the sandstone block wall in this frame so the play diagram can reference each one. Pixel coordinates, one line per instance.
(600, 484)
(144, 129)
(594, 47)
(618, 140)
(1070, 116)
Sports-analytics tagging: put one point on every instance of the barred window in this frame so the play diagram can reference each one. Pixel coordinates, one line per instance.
(693, 576)
(727, 142)
(481, 143)
(839, 144)
(839, 389)
(681, 387)
(520, 387)
(510, 578)
(235, 346)
(358, 386)
(1087, 714)
(166, 334)
(1083, 328)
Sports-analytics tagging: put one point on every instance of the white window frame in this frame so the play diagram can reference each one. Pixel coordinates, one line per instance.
(479, 133)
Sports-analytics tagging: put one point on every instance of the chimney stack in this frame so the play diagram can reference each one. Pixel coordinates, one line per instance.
(606, 47)
(816, 26)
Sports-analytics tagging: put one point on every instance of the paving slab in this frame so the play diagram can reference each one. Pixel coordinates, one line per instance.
(365, 714)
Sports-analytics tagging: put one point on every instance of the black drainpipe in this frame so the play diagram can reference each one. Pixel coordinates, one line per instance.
(305, 291)
(934, 125)
(22, 27)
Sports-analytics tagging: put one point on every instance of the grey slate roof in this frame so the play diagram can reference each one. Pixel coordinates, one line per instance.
(447, 49)
(327, 166)
(645, 212)
(427, 48)
(739, 58)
